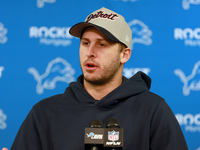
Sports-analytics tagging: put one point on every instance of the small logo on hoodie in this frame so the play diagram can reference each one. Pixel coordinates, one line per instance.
(57, 70)
(191, 82)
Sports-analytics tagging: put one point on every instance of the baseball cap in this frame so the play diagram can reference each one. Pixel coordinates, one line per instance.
(108, 22)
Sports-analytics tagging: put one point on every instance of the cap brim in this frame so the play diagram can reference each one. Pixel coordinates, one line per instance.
(78, 28)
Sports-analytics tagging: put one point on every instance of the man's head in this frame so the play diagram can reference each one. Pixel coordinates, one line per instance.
(104, 47)
(101, 59)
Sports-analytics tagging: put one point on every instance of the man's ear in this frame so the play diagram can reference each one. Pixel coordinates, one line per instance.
(125, 55)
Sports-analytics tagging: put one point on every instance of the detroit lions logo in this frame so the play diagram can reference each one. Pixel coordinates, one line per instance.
(91, 134)
(57, 70)
(3, 118)
(191, 82)
(3, 32)
(186, 3)
(40, 3)
(140, 32)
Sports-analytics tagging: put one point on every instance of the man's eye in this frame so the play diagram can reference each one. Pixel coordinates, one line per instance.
(85, 43)
(102, 45)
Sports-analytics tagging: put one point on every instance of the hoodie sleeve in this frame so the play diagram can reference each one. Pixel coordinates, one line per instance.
(28, 137)
(166, 133)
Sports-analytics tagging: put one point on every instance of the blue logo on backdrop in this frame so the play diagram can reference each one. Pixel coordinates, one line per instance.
(3, 32)
(186, 3)
(129, 72)
(1, 70)
(189, 121)
(191, 37)
(141, 32)
(40, 3)
(191, 82)
(3, 118)
(57, 36)
(57, 70)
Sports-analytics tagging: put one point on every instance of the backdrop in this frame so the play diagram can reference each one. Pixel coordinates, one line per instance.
(35, 46)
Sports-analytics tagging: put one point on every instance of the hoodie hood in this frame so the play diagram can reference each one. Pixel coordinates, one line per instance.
(137, 84)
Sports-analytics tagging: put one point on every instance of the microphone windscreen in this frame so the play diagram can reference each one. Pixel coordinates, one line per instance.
(112, 123)
(96, 124)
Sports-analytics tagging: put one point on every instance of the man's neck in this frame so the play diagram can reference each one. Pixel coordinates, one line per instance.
(100, 91)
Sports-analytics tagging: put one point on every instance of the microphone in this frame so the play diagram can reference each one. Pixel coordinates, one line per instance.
(94, 136)
(113, 135)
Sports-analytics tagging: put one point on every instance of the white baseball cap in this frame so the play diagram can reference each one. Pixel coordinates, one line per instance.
(108, 22)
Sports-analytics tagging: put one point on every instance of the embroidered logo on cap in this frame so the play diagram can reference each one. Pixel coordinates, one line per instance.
(101, 15)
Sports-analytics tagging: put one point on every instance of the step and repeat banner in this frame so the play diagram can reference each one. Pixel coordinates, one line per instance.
(36, 48)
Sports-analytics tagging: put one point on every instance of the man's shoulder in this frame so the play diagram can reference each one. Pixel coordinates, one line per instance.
(149, 97)
(52, 100)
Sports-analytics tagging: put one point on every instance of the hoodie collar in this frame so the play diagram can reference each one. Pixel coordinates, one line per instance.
(137, 84)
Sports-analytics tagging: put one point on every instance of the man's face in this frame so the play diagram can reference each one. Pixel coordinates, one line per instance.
(99, 57)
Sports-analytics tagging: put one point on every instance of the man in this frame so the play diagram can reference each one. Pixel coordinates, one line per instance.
(58, 122)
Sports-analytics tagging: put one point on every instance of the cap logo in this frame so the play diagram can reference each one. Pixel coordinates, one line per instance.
(100, 14)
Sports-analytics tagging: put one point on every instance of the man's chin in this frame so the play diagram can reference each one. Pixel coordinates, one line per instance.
(94, 80)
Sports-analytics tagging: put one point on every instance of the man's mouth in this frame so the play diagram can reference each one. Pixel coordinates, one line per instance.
(90, 66)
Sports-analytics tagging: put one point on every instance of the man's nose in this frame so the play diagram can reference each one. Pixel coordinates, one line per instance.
(91, 51)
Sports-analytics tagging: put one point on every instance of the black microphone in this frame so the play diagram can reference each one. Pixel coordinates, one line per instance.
(113, 135)
(94, 136)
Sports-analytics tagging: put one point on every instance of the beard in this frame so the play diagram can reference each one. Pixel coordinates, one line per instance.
(106, 75)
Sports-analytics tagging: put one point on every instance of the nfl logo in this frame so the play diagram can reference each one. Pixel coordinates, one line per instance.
(113, 135)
